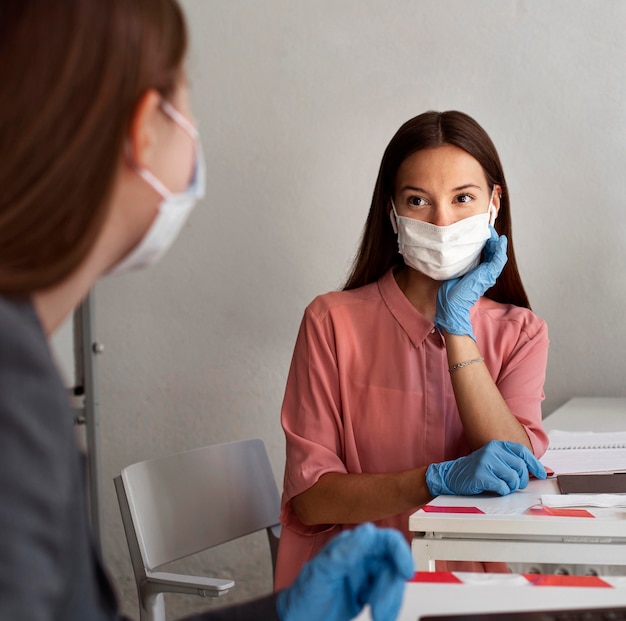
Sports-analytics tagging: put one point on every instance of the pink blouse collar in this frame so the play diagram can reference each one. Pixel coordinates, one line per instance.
(416, 326)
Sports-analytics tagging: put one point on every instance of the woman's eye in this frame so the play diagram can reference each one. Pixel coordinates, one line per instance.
(464, 198)
(416, 201)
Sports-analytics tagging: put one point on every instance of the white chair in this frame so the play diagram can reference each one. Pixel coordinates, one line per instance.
(185, 503)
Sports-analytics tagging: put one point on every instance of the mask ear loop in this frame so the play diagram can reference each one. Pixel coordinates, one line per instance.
(148, 176)
(145, 174)
(492, 211)
(392, 216)
(179, 118)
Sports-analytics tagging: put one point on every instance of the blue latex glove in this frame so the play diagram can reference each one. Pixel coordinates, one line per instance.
(499, 466)
(458, 295)
(367, 565)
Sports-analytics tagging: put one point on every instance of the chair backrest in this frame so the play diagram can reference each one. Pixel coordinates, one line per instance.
(189, 502)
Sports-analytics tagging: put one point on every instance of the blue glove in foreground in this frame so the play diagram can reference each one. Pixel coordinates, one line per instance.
(499, 466)
(367, 565)
(458, 295)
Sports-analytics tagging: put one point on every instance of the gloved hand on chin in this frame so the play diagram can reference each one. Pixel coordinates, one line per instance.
(366, 565)
(499, 466)
(458, 295)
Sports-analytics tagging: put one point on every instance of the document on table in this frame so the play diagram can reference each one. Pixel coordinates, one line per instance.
(572, 452)
(583, 500)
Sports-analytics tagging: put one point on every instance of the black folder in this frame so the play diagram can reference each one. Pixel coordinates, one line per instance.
(617, 613)
(609, 483)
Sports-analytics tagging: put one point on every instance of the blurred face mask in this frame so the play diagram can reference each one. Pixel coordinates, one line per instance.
(173, 210)
(443, 252)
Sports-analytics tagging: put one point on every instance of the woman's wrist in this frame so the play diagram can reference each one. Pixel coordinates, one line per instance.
(460, 349)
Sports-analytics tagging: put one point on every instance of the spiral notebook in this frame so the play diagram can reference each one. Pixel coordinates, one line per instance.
(575, 452)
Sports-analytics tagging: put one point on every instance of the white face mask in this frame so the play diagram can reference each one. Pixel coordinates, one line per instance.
(443, 252)
(173, 210)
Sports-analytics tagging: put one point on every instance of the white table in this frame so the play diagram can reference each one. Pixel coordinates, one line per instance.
(589, 414)
(506, 533)
(499, 592)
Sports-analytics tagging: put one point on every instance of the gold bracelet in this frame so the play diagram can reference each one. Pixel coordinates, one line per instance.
(460, 365)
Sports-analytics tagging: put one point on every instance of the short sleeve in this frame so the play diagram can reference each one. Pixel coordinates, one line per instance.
(521, 384)
(311, 412)
(515, 345)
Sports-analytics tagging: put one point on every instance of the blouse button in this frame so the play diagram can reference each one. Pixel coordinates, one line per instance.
(432, 331)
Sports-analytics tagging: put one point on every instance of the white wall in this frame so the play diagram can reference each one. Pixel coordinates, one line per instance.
(297, 100)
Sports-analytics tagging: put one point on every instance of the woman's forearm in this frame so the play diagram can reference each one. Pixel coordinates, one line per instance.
(484, 412)
(340, 498)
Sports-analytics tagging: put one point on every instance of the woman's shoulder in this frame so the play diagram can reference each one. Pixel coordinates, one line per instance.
(349, 300)
(511, 317)
(22, 341)
(17, 321)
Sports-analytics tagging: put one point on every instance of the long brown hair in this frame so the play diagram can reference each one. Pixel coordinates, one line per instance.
(71, 74)
(378, 250)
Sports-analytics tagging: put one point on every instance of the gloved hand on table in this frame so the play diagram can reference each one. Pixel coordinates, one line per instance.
(458, 295)
(499, 466)
(366, 565)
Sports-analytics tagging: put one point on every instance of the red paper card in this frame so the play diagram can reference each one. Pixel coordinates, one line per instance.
(575, 581)
(435, 576)
(442, 509)
(562, 512)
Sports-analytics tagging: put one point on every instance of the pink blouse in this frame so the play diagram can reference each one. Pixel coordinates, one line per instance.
(369, 391)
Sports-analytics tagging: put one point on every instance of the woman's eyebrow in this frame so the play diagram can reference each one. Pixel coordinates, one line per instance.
(465, 187)
(413, 188)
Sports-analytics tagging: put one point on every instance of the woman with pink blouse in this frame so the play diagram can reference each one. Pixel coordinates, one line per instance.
(425, 374)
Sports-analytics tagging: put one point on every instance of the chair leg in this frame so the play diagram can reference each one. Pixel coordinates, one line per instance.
(273, 534)
(152, 607)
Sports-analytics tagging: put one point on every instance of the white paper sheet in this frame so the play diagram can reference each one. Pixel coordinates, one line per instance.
(584, 500)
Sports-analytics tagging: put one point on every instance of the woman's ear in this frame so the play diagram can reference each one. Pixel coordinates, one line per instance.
(143, 130)
(496, 198)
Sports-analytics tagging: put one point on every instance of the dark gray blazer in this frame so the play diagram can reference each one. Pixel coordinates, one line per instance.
(48, 567)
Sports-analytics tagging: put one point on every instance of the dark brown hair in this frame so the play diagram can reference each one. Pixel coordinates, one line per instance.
(378, 251)
(71, 74)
